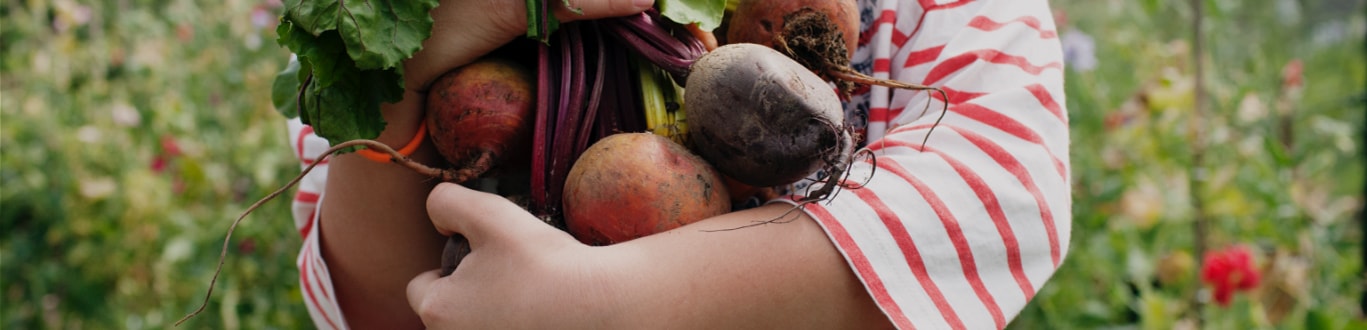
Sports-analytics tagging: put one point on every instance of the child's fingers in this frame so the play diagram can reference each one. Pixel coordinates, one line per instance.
(575, 10)
(420, 287)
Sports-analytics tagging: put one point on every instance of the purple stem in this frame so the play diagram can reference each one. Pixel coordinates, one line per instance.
(540, 197)
(572, 110)
(664, 43)
(596, 95)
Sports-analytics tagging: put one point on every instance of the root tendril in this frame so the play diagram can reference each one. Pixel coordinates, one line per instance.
(395, 156)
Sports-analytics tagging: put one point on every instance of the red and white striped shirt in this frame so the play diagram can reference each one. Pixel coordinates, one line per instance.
(314, 280)
(958, 233)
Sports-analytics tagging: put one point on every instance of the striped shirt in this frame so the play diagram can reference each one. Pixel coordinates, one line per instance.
(961, 231)
(958, 232)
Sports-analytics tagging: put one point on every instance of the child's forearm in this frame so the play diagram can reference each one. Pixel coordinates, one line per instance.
(376, 234)
(781, 275)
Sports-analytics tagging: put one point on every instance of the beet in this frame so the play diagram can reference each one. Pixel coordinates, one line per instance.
(480, 115)
(763, 119)
(820, 34)
(457, 247)
(758, 21)
(630, 185)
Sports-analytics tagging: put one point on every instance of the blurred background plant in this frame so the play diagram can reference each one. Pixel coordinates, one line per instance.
(133, 131)
(1275, 152)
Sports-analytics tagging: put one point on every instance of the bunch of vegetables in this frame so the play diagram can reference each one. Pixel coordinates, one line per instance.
(760, 111)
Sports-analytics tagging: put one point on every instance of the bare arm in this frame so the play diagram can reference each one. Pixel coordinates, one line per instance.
(781, 275)
(525, 274)
(376, 233)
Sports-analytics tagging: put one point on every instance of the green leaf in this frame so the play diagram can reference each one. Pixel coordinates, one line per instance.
(285, 90)
(707, 13)
(380, 34)
(350, 61)
(340, 100)
(314, 16)
(349, 109)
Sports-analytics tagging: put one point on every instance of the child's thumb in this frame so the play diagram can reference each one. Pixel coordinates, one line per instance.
(483, 218)
(574, 10)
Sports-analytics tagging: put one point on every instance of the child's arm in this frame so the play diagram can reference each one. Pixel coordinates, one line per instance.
(524, 274)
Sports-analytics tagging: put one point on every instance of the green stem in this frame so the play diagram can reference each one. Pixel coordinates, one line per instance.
(1196, 172)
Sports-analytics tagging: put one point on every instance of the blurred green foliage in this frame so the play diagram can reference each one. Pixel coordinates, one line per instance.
(1279, 169)
(133, 131)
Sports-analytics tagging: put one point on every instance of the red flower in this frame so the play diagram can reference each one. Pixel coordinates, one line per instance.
(169, 151)
(169, 147)
(1293, 74)
(1228, 271)
(159, 164)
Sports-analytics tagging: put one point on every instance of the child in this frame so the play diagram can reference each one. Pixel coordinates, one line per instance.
(958, 233)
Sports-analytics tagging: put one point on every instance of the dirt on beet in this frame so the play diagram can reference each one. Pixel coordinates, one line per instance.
(811, 38)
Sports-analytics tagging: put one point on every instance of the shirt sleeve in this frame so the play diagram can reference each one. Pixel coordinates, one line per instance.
(962, 230)
(315, 282)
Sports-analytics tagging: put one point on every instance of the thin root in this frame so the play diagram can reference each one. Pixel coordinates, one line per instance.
(837, 69)
(827, 191)
(395, 157)
(830, 187)
(847, 74)
(780, 219)
(873, 160)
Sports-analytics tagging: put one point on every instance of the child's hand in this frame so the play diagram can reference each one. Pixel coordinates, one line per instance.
(520, 273)
(463, 31)
(467, 29)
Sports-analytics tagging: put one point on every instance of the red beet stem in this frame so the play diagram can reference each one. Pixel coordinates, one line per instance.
(664, 43)
(540, 201)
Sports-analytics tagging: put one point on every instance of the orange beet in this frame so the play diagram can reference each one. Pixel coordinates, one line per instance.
(630, 185)
(756, 21)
